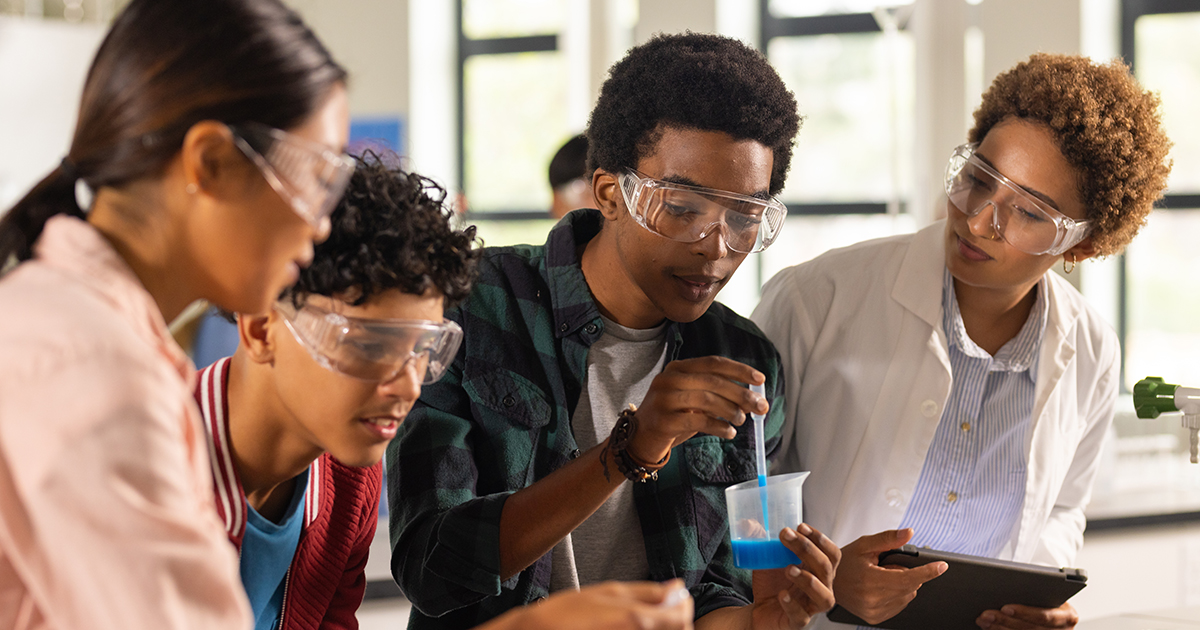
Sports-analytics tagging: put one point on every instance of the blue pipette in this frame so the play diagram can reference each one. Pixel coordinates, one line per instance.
(760, 459)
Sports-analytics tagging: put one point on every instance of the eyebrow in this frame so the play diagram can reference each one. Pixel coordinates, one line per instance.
(1033, 191)
(687, 181)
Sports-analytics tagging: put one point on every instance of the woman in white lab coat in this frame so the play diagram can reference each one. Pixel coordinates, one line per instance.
(945, 382)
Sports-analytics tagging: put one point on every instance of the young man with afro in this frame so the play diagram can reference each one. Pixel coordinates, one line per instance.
(597, 411)
(298, 417)
(945, 382)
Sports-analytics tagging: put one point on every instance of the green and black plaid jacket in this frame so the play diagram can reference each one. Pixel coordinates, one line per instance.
(500, 420)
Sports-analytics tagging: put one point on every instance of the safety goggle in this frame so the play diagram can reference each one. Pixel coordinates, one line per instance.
(375, 350)
(308, 175)
(1022, 220)
(689, 213)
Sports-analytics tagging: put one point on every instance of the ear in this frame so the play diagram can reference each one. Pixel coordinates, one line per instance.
(1082, 250)
(607, 191)
(210, 158)
(254, 335)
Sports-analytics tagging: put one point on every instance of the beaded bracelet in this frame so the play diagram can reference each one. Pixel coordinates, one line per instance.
(627, 464)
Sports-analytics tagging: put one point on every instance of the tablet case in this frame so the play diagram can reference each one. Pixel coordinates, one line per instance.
(971, 585)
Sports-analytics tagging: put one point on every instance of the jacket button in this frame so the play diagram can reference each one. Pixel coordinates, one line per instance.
(508, 401)
(591, 329)
(894, 498)
(575, 454)
(952, 497)
(929, 408)
(564, 327)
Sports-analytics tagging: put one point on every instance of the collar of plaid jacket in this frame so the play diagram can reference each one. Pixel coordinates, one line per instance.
(573, 303)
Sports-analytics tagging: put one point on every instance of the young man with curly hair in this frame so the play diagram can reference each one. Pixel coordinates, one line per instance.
(590, 425)
(945, 382)
(298, 417)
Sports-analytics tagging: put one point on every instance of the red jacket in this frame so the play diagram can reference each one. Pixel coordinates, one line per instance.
(325, 583)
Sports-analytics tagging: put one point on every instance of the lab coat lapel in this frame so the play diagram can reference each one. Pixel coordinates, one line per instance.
(918, 379)
(1046, 466)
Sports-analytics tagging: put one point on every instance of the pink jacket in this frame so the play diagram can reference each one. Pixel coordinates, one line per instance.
(325, 584)
(106, 517)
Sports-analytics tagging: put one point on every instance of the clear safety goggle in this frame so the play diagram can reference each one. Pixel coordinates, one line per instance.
(1022, 220)
(690, 213)
(376, 350)
(310, 176)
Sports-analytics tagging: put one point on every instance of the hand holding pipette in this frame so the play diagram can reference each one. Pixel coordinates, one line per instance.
(690, 396)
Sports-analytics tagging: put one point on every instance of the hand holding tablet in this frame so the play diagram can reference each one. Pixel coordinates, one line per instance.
(972, 586)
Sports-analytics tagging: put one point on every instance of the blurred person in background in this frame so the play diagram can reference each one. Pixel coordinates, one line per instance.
(946, 382)
(211, 134)
(595, 414)
(570, 178)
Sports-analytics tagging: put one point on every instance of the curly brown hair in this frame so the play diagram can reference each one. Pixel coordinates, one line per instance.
(1105, 124)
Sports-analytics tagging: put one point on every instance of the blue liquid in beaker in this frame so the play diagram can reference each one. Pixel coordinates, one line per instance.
(762, 554)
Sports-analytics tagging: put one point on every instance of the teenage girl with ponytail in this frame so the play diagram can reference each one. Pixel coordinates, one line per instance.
(211, 134)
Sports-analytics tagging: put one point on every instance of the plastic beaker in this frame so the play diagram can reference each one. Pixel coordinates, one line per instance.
(755, 535)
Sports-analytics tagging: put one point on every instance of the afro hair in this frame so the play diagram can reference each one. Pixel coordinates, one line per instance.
(1108, 128)
(691, 81)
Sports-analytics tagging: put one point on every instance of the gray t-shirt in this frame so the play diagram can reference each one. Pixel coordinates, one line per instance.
(608, 545)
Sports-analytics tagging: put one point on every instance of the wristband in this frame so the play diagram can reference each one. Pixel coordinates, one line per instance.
(627, 464)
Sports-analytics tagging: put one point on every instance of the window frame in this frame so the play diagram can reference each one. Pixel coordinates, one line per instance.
(470, 47)
(1131, 10)
(770, 27)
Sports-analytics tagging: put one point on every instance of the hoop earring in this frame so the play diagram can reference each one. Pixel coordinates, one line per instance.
(1065, 270)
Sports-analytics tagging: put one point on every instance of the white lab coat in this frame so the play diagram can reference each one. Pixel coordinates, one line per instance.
(867, 375)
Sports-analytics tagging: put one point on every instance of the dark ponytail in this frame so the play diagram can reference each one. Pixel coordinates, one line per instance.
(163, 67)
(21, 226)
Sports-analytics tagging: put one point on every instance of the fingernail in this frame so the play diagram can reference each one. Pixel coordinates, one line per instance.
(785, 597)
(787, 534)
(942, 566)
(1009, 610)
(793, 571)
(804, 529)
(989, 617)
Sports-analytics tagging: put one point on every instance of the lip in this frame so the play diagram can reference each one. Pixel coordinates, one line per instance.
(385, 431)
(697, 287)
(971, 252)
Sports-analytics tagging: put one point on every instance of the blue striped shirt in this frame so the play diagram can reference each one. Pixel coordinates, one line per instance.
(971, 490)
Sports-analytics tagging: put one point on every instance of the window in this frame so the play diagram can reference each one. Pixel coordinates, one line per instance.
(1158, 319)
(851, 67)
(509, 53)
(514, 78)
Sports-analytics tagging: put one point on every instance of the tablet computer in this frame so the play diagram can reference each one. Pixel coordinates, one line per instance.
(971, 585)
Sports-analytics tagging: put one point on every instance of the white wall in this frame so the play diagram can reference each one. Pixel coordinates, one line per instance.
(369, 38)
(42, 69)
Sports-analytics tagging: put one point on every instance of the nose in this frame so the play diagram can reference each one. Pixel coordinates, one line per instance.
(406, 384)
(983, 222)
(713, 244)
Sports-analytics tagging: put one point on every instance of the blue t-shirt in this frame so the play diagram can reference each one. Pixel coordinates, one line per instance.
(267, 552)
